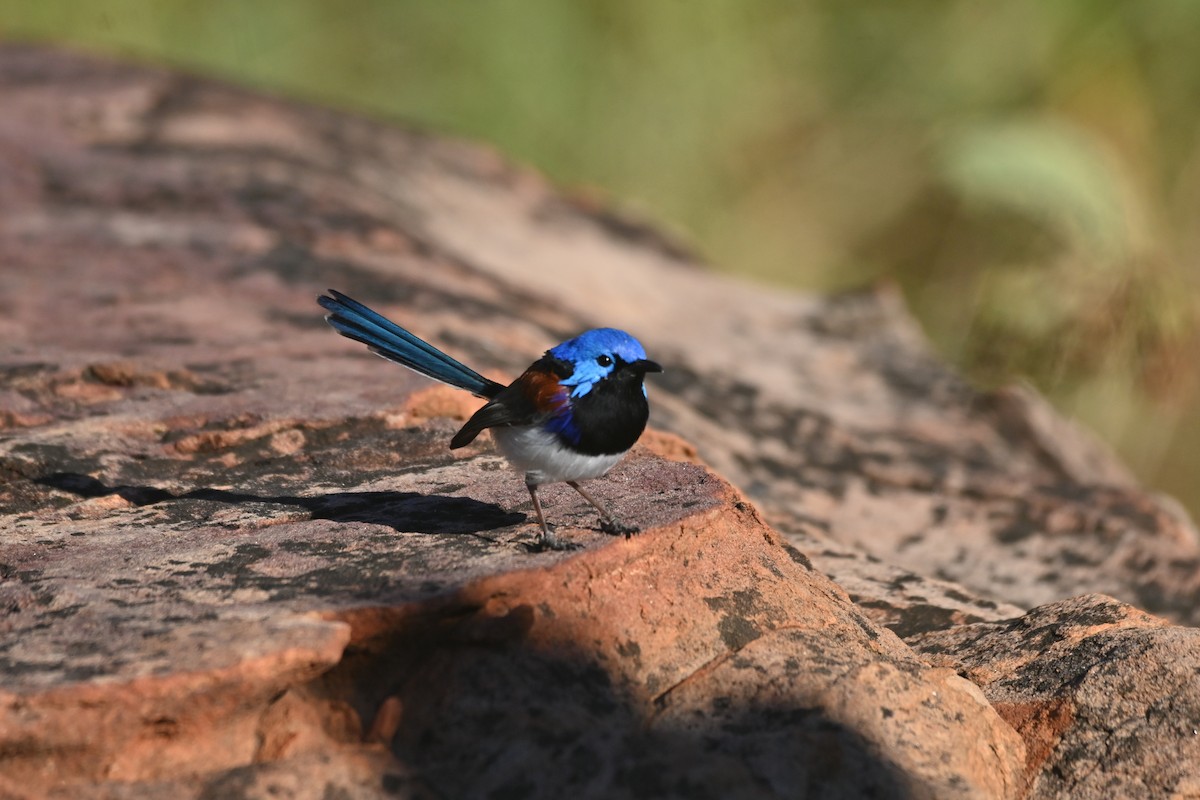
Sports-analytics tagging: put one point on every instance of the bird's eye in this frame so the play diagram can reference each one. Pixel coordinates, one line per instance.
(604, 361)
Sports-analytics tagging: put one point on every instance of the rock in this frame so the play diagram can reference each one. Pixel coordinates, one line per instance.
(1105, 696)
(216, 627)
(208, 607)
(339, 772)
(237, 559)
(684, 663)
(828, 411)
(898, 598)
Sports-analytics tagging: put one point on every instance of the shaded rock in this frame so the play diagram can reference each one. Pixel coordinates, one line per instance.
(339, 772)
(1105, 696)
(691, 662)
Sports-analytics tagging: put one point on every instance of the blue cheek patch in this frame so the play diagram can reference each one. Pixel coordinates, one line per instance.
(586, 375)
(580, 389)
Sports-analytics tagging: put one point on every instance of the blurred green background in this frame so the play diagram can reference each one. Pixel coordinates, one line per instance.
(1028, 172)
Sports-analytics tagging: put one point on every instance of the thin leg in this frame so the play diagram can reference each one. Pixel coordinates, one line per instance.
(546, 539)
(608, 523)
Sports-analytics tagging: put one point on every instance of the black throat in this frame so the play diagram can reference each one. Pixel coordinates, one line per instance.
(610, 417)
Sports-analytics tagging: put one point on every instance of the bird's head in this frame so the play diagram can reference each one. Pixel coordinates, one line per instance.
(602, 354)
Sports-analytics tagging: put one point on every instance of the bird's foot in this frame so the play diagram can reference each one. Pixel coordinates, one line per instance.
(614, 527)
(548, 541)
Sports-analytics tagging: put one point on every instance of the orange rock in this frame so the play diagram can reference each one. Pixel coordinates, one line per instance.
(438, 400)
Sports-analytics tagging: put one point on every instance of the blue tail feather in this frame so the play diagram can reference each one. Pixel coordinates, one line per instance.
(355, 321)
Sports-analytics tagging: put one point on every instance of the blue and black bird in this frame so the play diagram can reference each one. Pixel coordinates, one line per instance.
(572, 415)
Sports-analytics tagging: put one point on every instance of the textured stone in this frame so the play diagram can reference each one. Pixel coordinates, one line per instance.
(1105, 696)
(236, 558)
(335, 773)
(830, 413)
(180, 625)
(694, 662)
(898, 598)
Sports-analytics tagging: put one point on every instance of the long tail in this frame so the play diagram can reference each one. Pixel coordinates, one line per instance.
(355, 321)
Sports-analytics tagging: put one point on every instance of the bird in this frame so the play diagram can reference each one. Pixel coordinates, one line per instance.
(571, 416)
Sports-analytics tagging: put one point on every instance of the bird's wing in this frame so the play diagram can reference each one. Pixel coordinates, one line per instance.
(534, 396)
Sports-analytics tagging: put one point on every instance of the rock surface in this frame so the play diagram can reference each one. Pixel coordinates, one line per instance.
(1105, 696)
(237, 560)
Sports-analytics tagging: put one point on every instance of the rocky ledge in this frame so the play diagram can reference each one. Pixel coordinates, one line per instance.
(237, 559)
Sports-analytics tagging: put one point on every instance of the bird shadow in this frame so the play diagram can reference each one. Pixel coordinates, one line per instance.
(405, 512)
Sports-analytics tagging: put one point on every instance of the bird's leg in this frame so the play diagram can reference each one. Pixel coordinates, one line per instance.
(608, 523)
(547, 539)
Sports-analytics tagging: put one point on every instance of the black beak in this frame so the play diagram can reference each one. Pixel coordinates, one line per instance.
(644, 365)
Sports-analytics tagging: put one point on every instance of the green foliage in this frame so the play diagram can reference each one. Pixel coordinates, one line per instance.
(1029, 172)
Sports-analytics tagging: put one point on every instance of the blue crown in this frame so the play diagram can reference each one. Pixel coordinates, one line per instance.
(586, 354)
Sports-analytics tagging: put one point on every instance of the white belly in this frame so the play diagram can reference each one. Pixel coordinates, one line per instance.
(543, 459)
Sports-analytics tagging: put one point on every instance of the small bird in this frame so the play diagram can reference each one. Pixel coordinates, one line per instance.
(571, 416)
